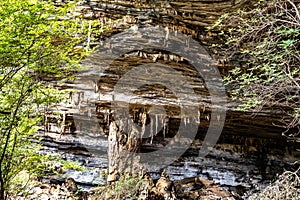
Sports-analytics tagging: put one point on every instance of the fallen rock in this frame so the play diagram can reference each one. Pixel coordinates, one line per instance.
(200, 188)
(164, 189)
(71, 185)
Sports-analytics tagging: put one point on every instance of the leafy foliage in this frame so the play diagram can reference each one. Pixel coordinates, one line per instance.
(266, 39)
(37, 43)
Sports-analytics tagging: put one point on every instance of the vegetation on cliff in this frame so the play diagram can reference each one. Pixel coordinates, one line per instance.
(266, 41)
(37, 41)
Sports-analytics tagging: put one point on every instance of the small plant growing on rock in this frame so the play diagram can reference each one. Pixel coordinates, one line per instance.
(127, 187)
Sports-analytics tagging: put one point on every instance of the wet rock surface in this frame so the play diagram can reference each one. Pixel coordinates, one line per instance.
(224, 171)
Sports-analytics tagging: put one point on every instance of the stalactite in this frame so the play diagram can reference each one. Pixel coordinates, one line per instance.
(151, 129)
(144, 119)
(108, 120)
(129, 126)
(96, 87)
(167, 33)
(79, 100)
(165, 124)
(63, 123)
(140, 117)
(167, 127)
(197, 118)
(156, 123)
(164, 130)
(105, 118)
(89, 113)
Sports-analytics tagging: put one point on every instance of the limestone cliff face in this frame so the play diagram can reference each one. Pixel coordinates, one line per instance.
(188, 17)
(250, 134)
(188, 13)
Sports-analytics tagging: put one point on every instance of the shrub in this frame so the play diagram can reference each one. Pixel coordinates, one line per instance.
(285, 187)
(36, 41)
(266, 39)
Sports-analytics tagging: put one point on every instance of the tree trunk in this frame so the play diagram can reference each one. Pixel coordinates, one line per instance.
(124, 143)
